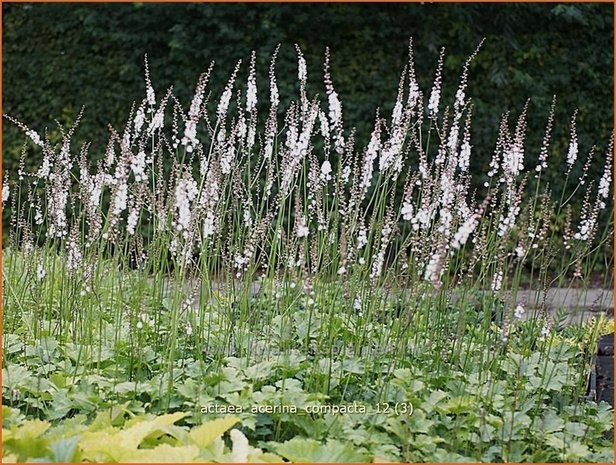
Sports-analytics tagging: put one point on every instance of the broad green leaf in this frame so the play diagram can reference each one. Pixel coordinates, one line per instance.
(14, 376)
(309, 450)
(551, 422)
(65, 450)
(575, 451)
(576, 428)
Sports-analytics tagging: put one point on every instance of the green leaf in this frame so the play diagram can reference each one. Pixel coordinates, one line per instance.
(203, 435)
(309, 450)
(575, 451)
(25, 441)
(14, 376)
(65, 450)
(551, 422)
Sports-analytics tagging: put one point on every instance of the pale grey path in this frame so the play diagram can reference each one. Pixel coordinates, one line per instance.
(579, 304)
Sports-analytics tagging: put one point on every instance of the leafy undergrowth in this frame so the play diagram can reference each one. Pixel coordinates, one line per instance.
(149, 438)
(277, 396)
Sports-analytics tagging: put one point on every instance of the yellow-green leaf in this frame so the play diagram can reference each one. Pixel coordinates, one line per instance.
(132, 437)
(203, 435)
(164, 454)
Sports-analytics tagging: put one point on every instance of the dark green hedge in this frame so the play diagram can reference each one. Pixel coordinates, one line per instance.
(58, 57)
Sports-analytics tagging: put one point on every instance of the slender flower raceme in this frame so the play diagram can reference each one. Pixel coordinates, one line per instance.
(301, 228)
(414, 95)
(74, 256)
(149, 90)
(513, 158)
(6, 190)
(335, 107)
(435, 95)
(606, 179)
(185, 193)
(543, 154)
(371, 153)
(40, 271)
(225, 99)
(465, 230)
(572, 153)
(190, 140)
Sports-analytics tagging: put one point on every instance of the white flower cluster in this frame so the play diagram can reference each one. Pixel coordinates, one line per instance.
(73, 259)
(208, 202)
(150, 96)
(131, 221)
(302, 229)
(513, 159)
(120, 199)
(545, 330)
(391, 153)
(33, 135)
(274, 95)
(209, 224)
(137, 164)
(543, 154)
(157, 121)
(225, 99)
(434, 269)
(464, 232)
(497, 281)
(302, 72)
(251, 88)
(298, 146)
(435, 95)
(606, 179)
(407, 210)
(434, 101)
(57, 213)
(335, 108)
(465, 156)
(362, 237)
(572, 153)
(6, 192)
(227, 159)
(326, 170)
(137, 124)
(40, 271)
(586, 228)
(372, 152)
(519, 312)
(377, 264)
(185, 192)
(508, 222)
(423, 218)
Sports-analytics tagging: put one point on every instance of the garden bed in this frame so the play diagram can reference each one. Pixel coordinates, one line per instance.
(239, 287)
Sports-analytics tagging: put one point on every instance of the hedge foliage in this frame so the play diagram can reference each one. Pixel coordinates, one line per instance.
(58, 57)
